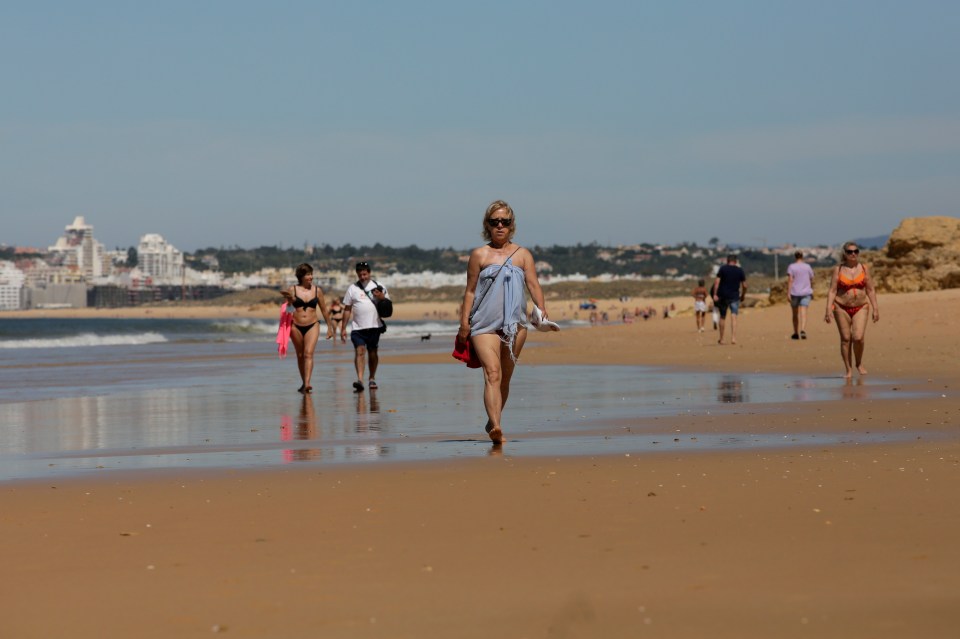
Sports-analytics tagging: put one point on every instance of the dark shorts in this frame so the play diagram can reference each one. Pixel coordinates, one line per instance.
(724, 304)
(369, 337)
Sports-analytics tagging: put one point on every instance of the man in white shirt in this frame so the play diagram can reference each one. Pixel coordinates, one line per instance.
(360, 312)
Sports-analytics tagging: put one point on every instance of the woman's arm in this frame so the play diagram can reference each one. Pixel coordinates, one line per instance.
(469, 292)
(831, 294)
(871, 294)
(533, 282)
(347, 312)
(287, 294)
(326, 313)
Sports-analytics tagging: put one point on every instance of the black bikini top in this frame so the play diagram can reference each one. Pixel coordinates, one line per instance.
(299, 303)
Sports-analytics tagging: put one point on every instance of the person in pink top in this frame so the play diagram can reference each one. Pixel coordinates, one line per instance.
(800, 280)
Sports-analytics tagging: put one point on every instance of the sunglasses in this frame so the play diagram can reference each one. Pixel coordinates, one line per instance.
(494, 222)
(362, 266)
(852, 251)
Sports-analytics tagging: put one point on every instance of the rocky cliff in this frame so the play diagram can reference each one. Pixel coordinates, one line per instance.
(922, 254)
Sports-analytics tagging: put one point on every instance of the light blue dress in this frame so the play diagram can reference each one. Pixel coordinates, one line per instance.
(499, 303)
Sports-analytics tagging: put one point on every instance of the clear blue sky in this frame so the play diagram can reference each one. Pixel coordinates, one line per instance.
(221, 123)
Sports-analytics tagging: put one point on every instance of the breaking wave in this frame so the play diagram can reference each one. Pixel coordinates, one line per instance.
(85, 339)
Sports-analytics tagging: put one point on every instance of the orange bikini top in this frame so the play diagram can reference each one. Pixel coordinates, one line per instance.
(844, 284)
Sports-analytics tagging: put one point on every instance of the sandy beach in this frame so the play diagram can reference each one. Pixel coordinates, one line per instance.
(838, 540)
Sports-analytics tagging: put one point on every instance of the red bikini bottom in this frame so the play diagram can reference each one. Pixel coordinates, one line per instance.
(851, 310)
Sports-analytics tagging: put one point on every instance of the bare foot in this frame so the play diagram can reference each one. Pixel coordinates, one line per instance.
(861, 369)
(848, 374)
(719, 342)
(496, 435)
(733, 341)
(488, 427)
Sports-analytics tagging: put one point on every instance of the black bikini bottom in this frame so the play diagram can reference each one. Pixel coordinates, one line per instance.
(304, 329)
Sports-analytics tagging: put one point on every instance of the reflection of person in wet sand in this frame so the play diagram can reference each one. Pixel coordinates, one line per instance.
(730, 390)
(306, 429)
(494, 308)
(854, 389)
(850, 299)
(307, 423)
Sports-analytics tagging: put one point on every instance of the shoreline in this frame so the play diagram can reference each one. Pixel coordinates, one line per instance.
(826, 540)
(407, 311)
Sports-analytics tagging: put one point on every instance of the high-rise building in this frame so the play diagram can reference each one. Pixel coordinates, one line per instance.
(159, 260)
(11, 282)
(76, 249)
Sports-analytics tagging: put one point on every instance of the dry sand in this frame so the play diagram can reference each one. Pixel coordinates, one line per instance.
(847, 540)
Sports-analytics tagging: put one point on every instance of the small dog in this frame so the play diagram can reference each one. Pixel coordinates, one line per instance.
(424, 338)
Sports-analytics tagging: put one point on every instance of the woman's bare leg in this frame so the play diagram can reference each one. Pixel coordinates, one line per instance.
(844, 323)
(487, 348)
(309, 346)
(507, 366)
(297, 340)
(858, 331)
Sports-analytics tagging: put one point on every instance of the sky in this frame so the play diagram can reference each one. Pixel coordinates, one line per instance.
(239, 123)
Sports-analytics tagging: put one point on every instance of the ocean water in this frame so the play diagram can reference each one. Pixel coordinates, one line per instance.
(84, 396)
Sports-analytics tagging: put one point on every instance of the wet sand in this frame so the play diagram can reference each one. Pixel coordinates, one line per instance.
(835, 540)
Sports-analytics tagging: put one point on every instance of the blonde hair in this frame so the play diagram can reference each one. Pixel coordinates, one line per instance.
(493, 208)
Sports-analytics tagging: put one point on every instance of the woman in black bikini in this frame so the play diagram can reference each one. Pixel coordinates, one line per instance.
(336, 317)
(305, 298)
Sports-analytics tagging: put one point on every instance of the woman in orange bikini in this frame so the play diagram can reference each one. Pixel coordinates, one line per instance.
(850, 298)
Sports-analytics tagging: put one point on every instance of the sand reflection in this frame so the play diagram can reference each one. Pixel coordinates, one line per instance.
(732, 389)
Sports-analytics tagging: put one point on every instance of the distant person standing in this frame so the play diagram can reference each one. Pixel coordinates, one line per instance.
(336, 316)
(800, 281)
(360, 312)
(730, 289)
(700, 304)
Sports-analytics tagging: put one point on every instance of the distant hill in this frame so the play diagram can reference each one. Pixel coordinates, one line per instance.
(875, 242)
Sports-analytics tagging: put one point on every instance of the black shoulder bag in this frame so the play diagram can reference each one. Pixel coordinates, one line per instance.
(384, 307)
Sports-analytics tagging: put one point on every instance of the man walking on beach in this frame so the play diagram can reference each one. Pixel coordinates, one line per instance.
(360, 312)
(800, 282)
(730, 289)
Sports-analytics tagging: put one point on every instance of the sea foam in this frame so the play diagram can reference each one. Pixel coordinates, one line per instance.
(85, 339)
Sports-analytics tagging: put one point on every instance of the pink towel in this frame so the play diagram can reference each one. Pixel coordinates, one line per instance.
(283, 333)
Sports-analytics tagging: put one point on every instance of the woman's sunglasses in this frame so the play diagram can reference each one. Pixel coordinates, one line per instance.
(494, 222)
(852, 251)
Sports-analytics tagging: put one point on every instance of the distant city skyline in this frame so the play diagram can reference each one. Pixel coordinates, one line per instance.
(246, 124)
(877, 240)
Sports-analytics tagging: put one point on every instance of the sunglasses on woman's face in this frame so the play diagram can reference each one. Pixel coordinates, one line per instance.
(852, 251)
(494, 222)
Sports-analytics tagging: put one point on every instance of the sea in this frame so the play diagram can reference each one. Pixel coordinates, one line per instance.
(83, 397)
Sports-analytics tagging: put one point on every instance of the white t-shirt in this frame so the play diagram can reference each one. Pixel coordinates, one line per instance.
(363, 310)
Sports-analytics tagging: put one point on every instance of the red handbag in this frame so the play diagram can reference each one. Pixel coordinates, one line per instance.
(464, 352)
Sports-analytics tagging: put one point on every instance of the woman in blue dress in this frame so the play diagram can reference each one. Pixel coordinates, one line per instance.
(493, 313)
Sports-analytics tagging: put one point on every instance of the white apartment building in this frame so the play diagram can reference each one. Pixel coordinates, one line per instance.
(11, 283)
(77, 250)
(159, 261)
